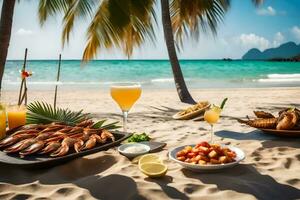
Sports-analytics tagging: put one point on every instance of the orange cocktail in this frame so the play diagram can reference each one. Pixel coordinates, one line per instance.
(125, 94)
(16, 116)
(2, 121)
(212, 116)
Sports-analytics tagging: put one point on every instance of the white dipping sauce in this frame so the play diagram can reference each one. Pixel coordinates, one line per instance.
(135, 149)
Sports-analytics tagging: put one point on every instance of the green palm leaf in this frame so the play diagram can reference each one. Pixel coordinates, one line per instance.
(44, 113)
(191, 17)
(51, 8)
(77, 9)
(99, 125)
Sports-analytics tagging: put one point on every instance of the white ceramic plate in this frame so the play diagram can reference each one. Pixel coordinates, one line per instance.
(190, 115)
(240, 155)
(122, 148)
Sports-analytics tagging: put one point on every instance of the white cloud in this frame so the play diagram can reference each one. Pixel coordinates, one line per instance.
(24, 32)
(296, 32)
(278, 39)
(253, 41)
(269, 11)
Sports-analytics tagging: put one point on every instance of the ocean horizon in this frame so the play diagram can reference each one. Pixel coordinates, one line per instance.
(208, 73)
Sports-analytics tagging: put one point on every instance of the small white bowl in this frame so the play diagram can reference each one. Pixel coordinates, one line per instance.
(122, 148)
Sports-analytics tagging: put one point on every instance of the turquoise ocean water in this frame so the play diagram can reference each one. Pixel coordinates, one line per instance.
(155, 73)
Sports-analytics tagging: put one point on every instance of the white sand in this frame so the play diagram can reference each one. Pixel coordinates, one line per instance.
(270, 170)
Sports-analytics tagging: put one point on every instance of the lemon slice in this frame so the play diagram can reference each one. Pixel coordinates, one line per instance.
(149, 158)
(153, 169)
(216, 109)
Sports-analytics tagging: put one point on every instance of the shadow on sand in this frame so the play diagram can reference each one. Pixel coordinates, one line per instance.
(80, 172)
(111, 187)
(268, 141)
(171, 192)
(246, 179)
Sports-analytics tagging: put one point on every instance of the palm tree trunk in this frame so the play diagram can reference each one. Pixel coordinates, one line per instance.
(5, 32)
(181, 88)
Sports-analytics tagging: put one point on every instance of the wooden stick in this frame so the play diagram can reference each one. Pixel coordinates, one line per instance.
(22, 82)
(24, 95)
(20, 92)
(25, 92)
(57, 79)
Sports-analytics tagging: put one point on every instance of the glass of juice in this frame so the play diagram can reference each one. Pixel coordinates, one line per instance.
(2, 121)
(125, 95)
(16, 116)
(212, 116)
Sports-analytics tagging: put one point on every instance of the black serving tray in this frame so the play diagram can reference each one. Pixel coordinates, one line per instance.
(37, 160)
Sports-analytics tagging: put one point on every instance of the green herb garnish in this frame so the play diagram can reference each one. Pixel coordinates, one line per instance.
(139, 138)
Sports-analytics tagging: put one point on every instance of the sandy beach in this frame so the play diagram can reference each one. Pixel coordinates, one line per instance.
(270, 170)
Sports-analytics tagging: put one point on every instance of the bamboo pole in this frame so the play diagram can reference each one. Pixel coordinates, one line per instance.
(23, 80)
(57, 79)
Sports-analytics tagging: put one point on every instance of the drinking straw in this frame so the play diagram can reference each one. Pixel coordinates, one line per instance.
(57, 79)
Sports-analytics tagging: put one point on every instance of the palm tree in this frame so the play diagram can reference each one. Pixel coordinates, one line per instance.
(183, 92)
(128, 23)
(5, 32)
(184, 17)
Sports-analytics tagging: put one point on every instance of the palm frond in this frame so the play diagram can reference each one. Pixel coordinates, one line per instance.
(122, 24)
(44, 113)
(78, 8)
(50, 8)
(110, 126)
(190, 17)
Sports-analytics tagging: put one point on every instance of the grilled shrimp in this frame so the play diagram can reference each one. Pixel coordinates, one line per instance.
(260, 123)
(263, 114)
(287, 121)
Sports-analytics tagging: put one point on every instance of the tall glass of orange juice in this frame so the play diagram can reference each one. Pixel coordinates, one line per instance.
(2, 121)
(125, 95)
(16, 116)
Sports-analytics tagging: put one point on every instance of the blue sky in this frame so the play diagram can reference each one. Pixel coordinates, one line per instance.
(244, 27)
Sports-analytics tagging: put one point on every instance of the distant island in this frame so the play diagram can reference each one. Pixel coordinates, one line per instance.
(289, 51)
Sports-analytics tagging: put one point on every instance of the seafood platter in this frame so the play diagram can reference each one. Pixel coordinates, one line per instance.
(287, 123)
(44, 144)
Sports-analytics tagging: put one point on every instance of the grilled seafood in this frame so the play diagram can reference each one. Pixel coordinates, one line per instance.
(54, 139)
(288, 119)
(263, 114)
(260, 123)
(16, 138)
(64, 148)
(51, 146)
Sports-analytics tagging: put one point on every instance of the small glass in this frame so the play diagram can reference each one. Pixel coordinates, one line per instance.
(2, 121)
(212, 116)
(125, 95)
(16, 116)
